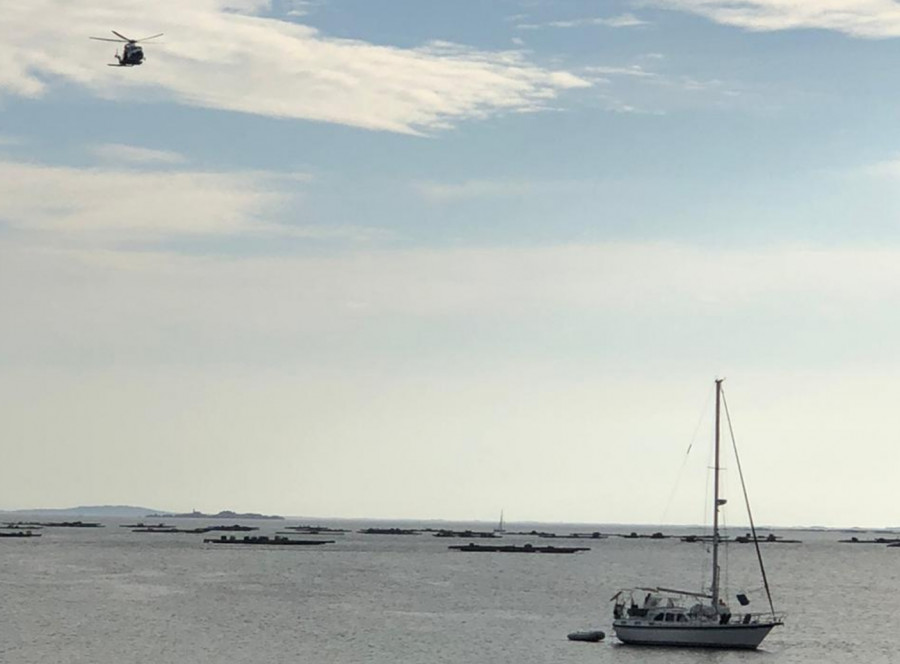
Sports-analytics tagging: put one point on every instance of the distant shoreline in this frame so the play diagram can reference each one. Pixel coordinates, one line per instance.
(137, 512)
(134, 512)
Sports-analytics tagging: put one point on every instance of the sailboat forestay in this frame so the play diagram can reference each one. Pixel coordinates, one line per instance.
(666, 617)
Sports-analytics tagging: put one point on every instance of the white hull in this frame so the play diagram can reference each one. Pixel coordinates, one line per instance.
(693, 636)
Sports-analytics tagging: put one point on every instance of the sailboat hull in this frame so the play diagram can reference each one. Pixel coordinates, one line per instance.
(746, 637)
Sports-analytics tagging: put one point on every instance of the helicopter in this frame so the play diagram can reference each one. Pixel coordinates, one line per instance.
(132, 53)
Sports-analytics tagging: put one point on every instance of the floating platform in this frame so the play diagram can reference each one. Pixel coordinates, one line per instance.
(465, 533)
(768, 539)
(22, 524)
(890, 541)
(315, 530)
(740, 539)
(546, 535)
(266, 541)
(71, 524)
(389, 531)
(163, 528)
(20, 534)
(172, 529)
(526, 548)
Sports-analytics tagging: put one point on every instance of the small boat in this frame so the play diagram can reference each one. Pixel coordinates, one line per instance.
(667, 617)
(591, 636)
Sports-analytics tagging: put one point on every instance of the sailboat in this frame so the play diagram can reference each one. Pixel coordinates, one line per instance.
(667, 617)
(499, 529)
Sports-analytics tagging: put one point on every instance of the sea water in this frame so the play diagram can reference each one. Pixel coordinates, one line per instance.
(110, 596)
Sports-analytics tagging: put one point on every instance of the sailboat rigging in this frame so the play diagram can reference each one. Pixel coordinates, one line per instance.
(669, 617)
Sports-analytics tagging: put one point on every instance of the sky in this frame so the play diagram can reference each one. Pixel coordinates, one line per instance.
(425, 259)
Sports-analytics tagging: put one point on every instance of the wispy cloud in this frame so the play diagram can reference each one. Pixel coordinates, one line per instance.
(649, 89)
(635, 71)
(133, 154)
(620, 21)
(299, 7)
(887, 169)
(109, 205)
(859, 18)
(615, 105)
(225, 54)
(445, 192)
(454, 191)
(505, 282)
(648, 86)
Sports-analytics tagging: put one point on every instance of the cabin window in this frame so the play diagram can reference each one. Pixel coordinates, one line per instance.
(670, 617)
(659, 617)
(682, 617)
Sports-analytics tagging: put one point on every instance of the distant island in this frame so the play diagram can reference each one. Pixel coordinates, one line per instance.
(110, 511)
(224, 514)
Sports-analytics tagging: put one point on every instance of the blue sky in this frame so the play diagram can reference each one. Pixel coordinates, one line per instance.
(427, 256)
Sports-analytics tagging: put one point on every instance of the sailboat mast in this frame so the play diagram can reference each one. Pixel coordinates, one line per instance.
(715, 556)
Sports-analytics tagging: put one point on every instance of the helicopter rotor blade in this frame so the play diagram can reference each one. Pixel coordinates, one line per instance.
(117, 41)
(143, 39)
(119, 34)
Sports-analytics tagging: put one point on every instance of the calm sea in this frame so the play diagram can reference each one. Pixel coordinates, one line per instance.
(110, 596)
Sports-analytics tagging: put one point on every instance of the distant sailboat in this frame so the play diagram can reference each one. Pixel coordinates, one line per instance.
(666, 617)
(499, 528)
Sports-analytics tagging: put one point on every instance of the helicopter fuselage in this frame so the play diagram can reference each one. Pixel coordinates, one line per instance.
(132, 55)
